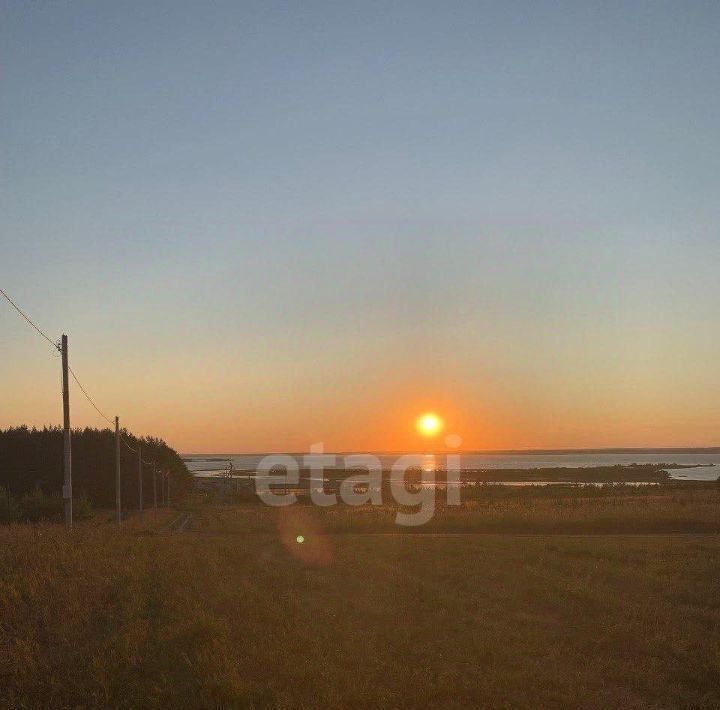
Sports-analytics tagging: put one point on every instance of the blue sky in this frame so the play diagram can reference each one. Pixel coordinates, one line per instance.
(263, 223)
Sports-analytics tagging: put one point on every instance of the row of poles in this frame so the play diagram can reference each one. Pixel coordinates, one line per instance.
(164, 479)
(67, 457)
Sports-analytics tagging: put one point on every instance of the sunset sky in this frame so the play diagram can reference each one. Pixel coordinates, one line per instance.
(264, 225)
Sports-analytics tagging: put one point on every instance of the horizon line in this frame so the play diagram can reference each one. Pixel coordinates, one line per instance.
(487, 452)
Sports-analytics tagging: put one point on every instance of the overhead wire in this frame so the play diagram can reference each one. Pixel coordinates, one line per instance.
(89, 398)
(29, 320)
(57, 346)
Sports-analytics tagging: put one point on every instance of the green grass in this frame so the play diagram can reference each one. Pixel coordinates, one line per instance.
(235, 613)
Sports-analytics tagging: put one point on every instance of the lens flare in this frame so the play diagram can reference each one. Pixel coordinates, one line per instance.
(301, 531)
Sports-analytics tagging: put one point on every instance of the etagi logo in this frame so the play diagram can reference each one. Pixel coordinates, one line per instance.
(277, 481)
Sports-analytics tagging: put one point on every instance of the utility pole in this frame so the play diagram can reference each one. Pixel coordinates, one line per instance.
(118, 502)
(154, 487)
(67, 455)
(140, 482)
(168, 488)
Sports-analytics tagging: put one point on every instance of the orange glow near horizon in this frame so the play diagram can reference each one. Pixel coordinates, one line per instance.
(258, 408)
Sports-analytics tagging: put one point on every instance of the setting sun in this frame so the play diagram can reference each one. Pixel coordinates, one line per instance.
(429, 424)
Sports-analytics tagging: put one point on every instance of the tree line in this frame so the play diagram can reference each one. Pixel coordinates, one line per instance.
(32, 459)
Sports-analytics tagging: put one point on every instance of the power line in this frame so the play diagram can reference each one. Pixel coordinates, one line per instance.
(29, 320)
(89, 398)
(98, 410)
(124, 441)
(72, 372)
(57, 347)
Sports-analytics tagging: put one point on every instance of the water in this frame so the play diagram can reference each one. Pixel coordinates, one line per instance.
(211, 464)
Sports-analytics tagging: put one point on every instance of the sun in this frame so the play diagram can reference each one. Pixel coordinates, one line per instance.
(429, 424)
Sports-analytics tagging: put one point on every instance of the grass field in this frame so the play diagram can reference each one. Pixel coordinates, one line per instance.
(235, 613)
(553, 509)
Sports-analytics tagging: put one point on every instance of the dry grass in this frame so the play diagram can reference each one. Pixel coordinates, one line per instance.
(612, 510)
(234, 613)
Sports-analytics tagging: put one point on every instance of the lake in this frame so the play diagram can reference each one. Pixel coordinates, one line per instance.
(211, 464)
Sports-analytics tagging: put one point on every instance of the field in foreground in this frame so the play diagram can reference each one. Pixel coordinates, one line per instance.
(231, 615)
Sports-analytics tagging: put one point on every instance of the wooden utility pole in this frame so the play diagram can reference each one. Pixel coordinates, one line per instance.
(67, 454)
(168, 488)
(154, 487)
(118, 502)
(140, 481)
